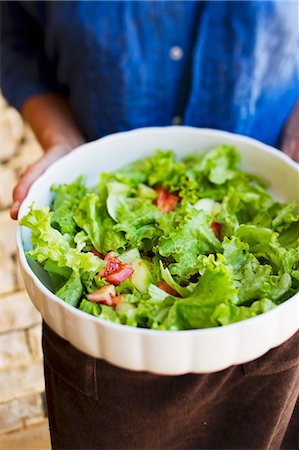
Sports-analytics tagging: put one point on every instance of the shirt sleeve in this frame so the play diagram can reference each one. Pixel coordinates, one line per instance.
(25, 70)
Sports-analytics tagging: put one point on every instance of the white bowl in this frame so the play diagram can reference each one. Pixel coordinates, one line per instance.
(163, 352)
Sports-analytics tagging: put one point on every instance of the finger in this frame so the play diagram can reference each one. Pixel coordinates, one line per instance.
(14, 209)
(291, 148)
(30, 175)
(21, 189)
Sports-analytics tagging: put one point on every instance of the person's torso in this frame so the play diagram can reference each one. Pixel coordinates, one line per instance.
(227, 65)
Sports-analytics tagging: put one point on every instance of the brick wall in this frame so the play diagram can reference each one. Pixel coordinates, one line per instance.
(21, 371)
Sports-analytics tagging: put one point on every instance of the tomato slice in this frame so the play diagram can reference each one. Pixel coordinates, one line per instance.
(104, 295)
(216, 227)
(166, 288)
(112, 264)
(120, 275)
(166, 201)
(115, 271)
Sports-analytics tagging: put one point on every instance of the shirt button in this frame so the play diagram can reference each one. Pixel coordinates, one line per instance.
(177, 120)
(176, 53)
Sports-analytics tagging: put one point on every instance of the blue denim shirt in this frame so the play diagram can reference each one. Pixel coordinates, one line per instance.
(129, 64)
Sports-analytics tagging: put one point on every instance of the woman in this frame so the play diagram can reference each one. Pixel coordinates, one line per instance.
(80, 70)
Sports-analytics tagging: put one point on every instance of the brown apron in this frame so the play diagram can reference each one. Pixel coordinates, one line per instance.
(95, 405)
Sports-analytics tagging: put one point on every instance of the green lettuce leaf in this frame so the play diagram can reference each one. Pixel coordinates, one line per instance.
(186, 235)
(285, 217)
(71, 292)
(49, 243)
(215, 286)
(67, 197)
(137, 219)
(253, 279)
(220, 164)
(98, 225)
(166, 276)
(101, 311)
(264, 244)
(117, 196)
(90, 308)
(58, 275)
(228, 313)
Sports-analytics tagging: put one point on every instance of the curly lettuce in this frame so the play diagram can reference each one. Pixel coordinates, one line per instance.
(224, 252)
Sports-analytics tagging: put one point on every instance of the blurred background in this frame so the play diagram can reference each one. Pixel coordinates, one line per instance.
(23, 421)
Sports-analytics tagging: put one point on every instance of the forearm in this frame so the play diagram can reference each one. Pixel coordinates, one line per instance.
(52, 121)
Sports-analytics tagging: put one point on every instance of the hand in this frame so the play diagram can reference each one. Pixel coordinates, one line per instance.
(55, 127)
(290, 135)
(32, 173)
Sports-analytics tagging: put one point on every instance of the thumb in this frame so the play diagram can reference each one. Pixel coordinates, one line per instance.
(290, 146)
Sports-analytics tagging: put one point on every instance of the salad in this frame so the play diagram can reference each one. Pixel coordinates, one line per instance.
(169, 245)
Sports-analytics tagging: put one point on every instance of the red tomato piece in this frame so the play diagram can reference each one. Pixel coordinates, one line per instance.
(166, 201)
(216, 227)
(116, 271)
(104, 295)
(120, 275)
(166, 288)
(112, 264)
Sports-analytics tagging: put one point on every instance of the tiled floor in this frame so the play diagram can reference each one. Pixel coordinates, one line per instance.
(33, 438)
